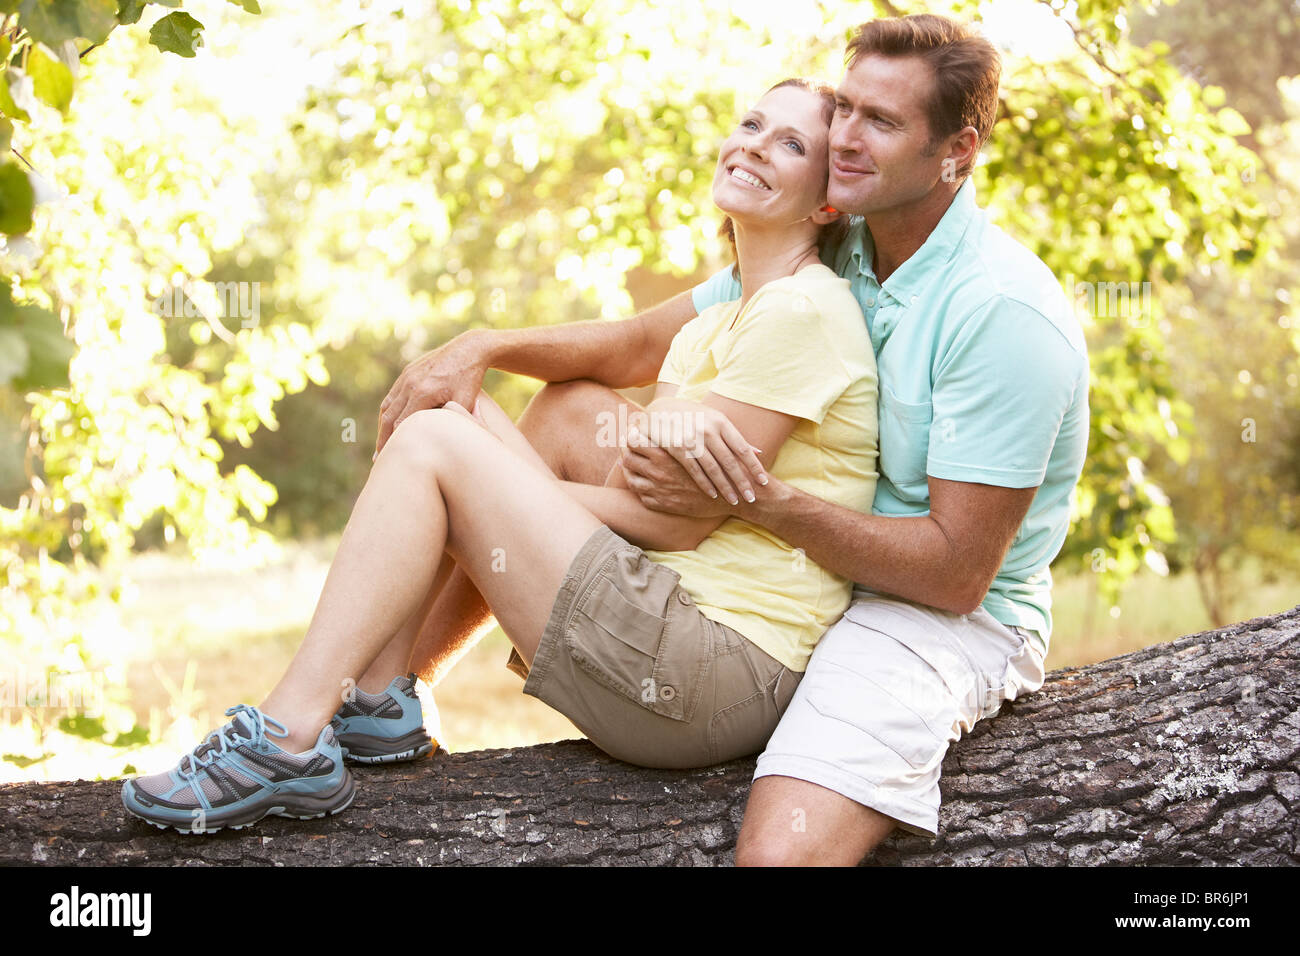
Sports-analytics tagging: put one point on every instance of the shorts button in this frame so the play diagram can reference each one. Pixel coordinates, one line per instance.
(667, 692)
(683, 597)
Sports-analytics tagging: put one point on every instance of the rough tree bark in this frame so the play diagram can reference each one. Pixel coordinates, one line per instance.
(1183, 753)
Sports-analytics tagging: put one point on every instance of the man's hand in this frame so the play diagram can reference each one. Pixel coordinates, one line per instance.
(451, 372)
(663, 485)
(708, 447)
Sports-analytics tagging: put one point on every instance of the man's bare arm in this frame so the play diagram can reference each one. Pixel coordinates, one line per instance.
(621, 354)
(616, 354)
(946, 559)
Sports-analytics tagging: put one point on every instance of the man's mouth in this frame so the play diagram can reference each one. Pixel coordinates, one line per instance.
(845, 172)
(745, 176)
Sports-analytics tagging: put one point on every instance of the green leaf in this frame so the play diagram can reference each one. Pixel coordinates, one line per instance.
(128, 11)
(80, 725)
(48, 350)
(139, 734)
(6, 135)
(13, 355)
(22, 762)
(1234, 124)
(177, 33)
(15, 96)
(17, 198)
(51, 80)
(249, 6)
(53, 21)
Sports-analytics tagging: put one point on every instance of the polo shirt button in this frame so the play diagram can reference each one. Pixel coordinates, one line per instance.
(683, 597)
(667, 692)
(871, 303)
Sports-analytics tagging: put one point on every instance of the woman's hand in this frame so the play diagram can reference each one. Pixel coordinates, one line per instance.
(707, 446)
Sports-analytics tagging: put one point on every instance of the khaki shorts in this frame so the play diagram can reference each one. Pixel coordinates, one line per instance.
(887, 690)
(630, 659)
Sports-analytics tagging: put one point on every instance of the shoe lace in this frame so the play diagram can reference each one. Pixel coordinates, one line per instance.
(226, 738)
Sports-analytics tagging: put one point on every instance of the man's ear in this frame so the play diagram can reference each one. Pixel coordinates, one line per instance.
(963, 147)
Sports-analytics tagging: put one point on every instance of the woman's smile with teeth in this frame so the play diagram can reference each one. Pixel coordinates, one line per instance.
(748, 177)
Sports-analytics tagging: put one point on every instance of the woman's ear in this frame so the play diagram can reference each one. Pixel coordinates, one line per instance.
(826, 214)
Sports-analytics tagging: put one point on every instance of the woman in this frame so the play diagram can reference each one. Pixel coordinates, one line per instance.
(680, 655)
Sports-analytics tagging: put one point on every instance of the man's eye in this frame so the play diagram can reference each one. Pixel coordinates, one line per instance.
(842, 107)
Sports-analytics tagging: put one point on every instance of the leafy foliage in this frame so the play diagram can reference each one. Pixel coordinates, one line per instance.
(385, 183)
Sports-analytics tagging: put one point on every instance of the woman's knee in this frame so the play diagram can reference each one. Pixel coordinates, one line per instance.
(428, 436)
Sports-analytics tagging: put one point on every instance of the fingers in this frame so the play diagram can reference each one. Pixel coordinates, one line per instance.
(387, 417)
(699, 476)
(705, 459)
(685, 457)
(746, 452)
(737, 458)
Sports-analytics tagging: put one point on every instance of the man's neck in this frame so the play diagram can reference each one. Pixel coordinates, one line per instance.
(896, 234)
(768, 254)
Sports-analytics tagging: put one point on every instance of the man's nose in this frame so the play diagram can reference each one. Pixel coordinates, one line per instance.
(843, 138)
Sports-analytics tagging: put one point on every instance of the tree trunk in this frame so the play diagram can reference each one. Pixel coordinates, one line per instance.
(1182, 753)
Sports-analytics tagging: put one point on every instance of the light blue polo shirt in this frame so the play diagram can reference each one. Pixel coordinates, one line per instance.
(983, 378)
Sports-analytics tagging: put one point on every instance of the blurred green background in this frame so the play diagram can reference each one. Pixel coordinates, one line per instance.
(227, 229)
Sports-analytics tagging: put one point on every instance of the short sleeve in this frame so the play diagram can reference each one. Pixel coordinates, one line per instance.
(720, 287)
(780, 356)
(674, 369)
(1000, 397)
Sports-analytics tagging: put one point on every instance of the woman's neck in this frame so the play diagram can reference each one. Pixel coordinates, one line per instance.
(767, 254)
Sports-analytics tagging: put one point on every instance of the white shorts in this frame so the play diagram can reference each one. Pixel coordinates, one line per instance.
(888, 688)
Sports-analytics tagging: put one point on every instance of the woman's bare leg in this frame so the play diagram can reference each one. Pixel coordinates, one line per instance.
(560, 426)
(442, 484)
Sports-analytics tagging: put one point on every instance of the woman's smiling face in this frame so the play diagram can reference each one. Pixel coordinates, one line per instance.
(772, 169)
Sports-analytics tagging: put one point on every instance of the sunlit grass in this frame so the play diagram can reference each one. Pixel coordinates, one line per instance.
(204, 642)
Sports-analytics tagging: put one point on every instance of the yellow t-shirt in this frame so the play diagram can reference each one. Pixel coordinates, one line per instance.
(799, 347)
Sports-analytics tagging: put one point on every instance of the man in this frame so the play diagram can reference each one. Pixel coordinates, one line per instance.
(983, 431)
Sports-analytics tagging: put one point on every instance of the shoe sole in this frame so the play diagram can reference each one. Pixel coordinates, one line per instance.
(296, 806)
(366, 749)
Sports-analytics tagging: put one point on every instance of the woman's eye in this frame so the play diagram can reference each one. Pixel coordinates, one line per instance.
(795, 145)
(749, 124)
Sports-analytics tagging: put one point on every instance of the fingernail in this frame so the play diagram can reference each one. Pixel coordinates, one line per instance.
(713, 494)
(732, 500)
(749, 496)
(762, 479)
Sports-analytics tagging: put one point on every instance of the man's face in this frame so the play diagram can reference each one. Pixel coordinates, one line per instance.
(880, 137)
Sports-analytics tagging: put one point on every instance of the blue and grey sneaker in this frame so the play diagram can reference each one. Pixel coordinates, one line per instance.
(383, 728)
(237, 776)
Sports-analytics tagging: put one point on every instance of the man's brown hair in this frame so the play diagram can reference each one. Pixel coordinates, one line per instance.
(966, 69)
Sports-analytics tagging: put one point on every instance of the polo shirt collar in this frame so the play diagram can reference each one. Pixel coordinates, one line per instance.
(938, 248)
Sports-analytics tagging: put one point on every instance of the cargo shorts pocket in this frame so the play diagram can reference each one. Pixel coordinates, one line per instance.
(645, 648)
